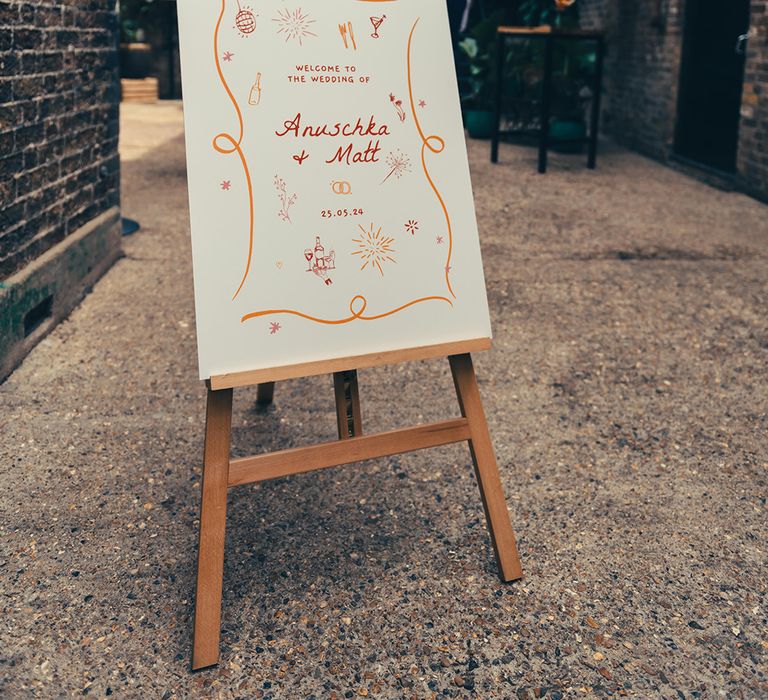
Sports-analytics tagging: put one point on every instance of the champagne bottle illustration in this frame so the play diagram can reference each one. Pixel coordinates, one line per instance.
(319, 254)
(254, 97)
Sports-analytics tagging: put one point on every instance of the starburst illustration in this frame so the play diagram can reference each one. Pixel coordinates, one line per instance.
(294, 24)
(228, 55)
(412, 226)
(374, 248)
(226, 185)
(274, 328)
(399, 164)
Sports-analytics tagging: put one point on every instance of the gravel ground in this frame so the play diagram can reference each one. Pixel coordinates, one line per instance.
(627, 399)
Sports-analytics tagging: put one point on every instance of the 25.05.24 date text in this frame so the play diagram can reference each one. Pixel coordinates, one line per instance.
(332, 213)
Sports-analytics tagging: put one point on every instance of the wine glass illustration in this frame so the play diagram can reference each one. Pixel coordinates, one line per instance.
(376, 22)
(309, 254)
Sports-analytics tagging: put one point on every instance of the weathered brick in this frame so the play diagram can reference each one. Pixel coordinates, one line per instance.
(9, 13)
(642, 76)
(58, 101)
(9, 63)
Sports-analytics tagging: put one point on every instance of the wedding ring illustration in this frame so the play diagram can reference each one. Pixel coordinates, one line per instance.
(341, 187)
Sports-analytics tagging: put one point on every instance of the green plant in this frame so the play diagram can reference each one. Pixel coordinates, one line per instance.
(533, 13)
(479, 49)
(479, 80)
(135, 17)
(572, 79)
(523, 62)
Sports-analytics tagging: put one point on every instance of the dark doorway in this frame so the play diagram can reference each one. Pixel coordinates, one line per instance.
(711, 79)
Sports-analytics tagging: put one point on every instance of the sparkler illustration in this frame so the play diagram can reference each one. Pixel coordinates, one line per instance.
(294, 24)
(374, 248)
(399, 164)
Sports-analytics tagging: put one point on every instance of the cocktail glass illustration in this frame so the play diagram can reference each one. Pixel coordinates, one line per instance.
(309, 254)
(376, 22)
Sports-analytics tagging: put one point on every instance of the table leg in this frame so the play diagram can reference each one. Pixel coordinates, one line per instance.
(546, 101)
(594, 129)
(500, 48)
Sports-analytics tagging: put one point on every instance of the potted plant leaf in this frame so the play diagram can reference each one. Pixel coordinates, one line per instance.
(574, 66)
(478, 101)
(571, 93)
(478, 49)
(135, 53)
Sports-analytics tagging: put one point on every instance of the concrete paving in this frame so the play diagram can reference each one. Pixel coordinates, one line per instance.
(627, 399)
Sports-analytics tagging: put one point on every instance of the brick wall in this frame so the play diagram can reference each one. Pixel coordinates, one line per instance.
(592, 13)
(753, 134)
(643, 72)
(59, 95)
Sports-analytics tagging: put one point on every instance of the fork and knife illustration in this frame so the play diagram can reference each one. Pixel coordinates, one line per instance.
(346, 30)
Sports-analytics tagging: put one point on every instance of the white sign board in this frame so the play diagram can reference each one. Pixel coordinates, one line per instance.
(331, 205)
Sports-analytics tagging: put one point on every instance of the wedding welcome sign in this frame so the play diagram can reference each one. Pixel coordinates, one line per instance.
(333, 229)
(331, 205)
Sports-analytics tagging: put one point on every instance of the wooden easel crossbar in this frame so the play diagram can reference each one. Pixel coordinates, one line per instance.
(221, 472)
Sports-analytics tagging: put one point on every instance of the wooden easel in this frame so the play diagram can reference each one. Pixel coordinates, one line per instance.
(220, 472)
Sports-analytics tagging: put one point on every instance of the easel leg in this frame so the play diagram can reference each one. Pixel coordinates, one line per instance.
(213, 516)
(265, 394)
(348, 414)
(486, 469)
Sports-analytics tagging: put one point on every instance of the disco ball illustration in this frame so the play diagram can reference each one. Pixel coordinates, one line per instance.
(245, 21)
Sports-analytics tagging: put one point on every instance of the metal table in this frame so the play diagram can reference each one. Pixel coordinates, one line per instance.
(548, 36)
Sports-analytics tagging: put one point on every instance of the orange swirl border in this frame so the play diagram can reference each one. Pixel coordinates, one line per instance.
(234, 147)
(358, 304)
(427, 143)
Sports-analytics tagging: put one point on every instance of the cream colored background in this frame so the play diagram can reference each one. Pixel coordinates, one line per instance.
(220, 218)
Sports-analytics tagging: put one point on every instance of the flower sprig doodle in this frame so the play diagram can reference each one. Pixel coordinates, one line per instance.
(398, 105)
(286, 200)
